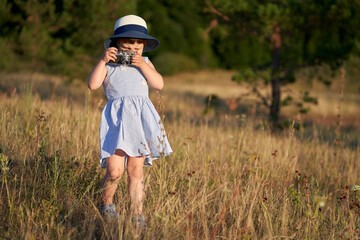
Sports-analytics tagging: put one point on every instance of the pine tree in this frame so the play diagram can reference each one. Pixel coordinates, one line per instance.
(295, 33)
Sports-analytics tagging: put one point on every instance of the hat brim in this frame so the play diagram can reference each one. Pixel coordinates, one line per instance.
(151, 42)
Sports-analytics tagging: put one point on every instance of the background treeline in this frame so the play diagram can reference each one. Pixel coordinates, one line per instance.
(66, 37)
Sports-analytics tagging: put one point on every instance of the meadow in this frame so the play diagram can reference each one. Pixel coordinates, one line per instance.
(230, 176)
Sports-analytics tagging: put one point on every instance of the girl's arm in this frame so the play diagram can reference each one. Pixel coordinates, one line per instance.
(99, 72)
(153, 78)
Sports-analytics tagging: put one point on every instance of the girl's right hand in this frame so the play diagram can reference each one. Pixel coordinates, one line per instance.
(109, 54)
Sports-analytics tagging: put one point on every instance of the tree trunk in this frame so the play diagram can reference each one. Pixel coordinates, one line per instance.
(275, 80)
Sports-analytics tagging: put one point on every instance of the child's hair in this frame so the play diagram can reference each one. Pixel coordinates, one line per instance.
(131, 40)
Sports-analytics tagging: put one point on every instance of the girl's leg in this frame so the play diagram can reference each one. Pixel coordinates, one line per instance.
(136, 183)
(114, 171)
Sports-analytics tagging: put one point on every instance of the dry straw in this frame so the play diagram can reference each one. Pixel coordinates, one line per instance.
(225, 180)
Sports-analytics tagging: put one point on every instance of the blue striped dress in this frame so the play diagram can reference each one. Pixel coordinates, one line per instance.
(129, 121)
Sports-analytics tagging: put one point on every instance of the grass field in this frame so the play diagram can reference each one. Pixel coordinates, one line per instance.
(230, 176)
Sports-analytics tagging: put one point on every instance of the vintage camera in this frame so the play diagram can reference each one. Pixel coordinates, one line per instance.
(123, 57)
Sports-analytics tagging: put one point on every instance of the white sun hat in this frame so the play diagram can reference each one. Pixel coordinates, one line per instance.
(132, 26)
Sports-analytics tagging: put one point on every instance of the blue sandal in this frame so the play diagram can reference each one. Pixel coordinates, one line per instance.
(139, 222)
(109, 211)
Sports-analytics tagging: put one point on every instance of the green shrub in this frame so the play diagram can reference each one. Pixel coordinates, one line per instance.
(8, 58)
(169, 63)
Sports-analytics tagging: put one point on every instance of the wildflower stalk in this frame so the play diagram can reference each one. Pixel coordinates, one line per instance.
(4, 169)
(339, 109)
(161, 138)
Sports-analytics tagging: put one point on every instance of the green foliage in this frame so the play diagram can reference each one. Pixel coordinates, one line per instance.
(251, 76)
(286, 101)
(178, 26)
(235, 50)
(57, 36)
(313, 31)
(247, 75)
(5, 9)
(352, 70)
(302, 103)
(8, 61)
(169, 63)
(308, 99)
(288, 77)
(304, 110)
(290, 34)
(66, 36)
(326, 30)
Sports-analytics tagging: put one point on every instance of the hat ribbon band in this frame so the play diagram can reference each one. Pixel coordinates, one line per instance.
(130, 27)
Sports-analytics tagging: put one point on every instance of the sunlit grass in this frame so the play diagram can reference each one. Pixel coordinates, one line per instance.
(229, 176)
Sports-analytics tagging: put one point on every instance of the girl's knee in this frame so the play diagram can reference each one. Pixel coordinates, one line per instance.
(136, 178)
(114, 175)
(136, 173)
(135, 168)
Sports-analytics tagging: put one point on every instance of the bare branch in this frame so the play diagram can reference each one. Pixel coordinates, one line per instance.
(212, 9)
(263, 99)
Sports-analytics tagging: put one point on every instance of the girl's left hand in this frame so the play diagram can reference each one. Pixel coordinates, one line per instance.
(137, 60)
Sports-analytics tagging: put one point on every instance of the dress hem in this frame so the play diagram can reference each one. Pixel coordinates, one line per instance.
(148, 159)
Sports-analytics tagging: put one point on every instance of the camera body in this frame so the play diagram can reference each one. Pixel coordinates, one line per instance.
(123, 58)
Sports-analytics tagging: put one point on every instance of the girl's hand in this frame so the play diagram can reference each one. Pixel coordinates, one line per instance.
(109, 54)
(137, 60)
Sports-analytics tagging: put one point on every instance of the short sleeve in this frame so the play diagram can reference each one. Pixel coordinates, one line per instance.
(146, 59)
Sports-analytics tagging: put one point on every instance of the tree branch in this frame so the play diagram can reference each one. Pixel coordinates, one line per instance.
(212, 9)
(242, 24)
(263, 99)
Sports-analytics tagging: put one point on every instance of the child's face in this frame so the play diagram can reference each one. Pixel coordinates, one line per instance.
(133, 47)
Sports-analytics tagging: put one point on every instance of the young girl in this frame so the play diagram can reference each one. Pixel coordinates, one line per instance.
(131, 132)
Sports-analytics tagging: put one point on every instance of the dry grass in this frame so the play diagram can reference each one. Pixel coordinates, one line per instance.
(204, 83)
(228, 178)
